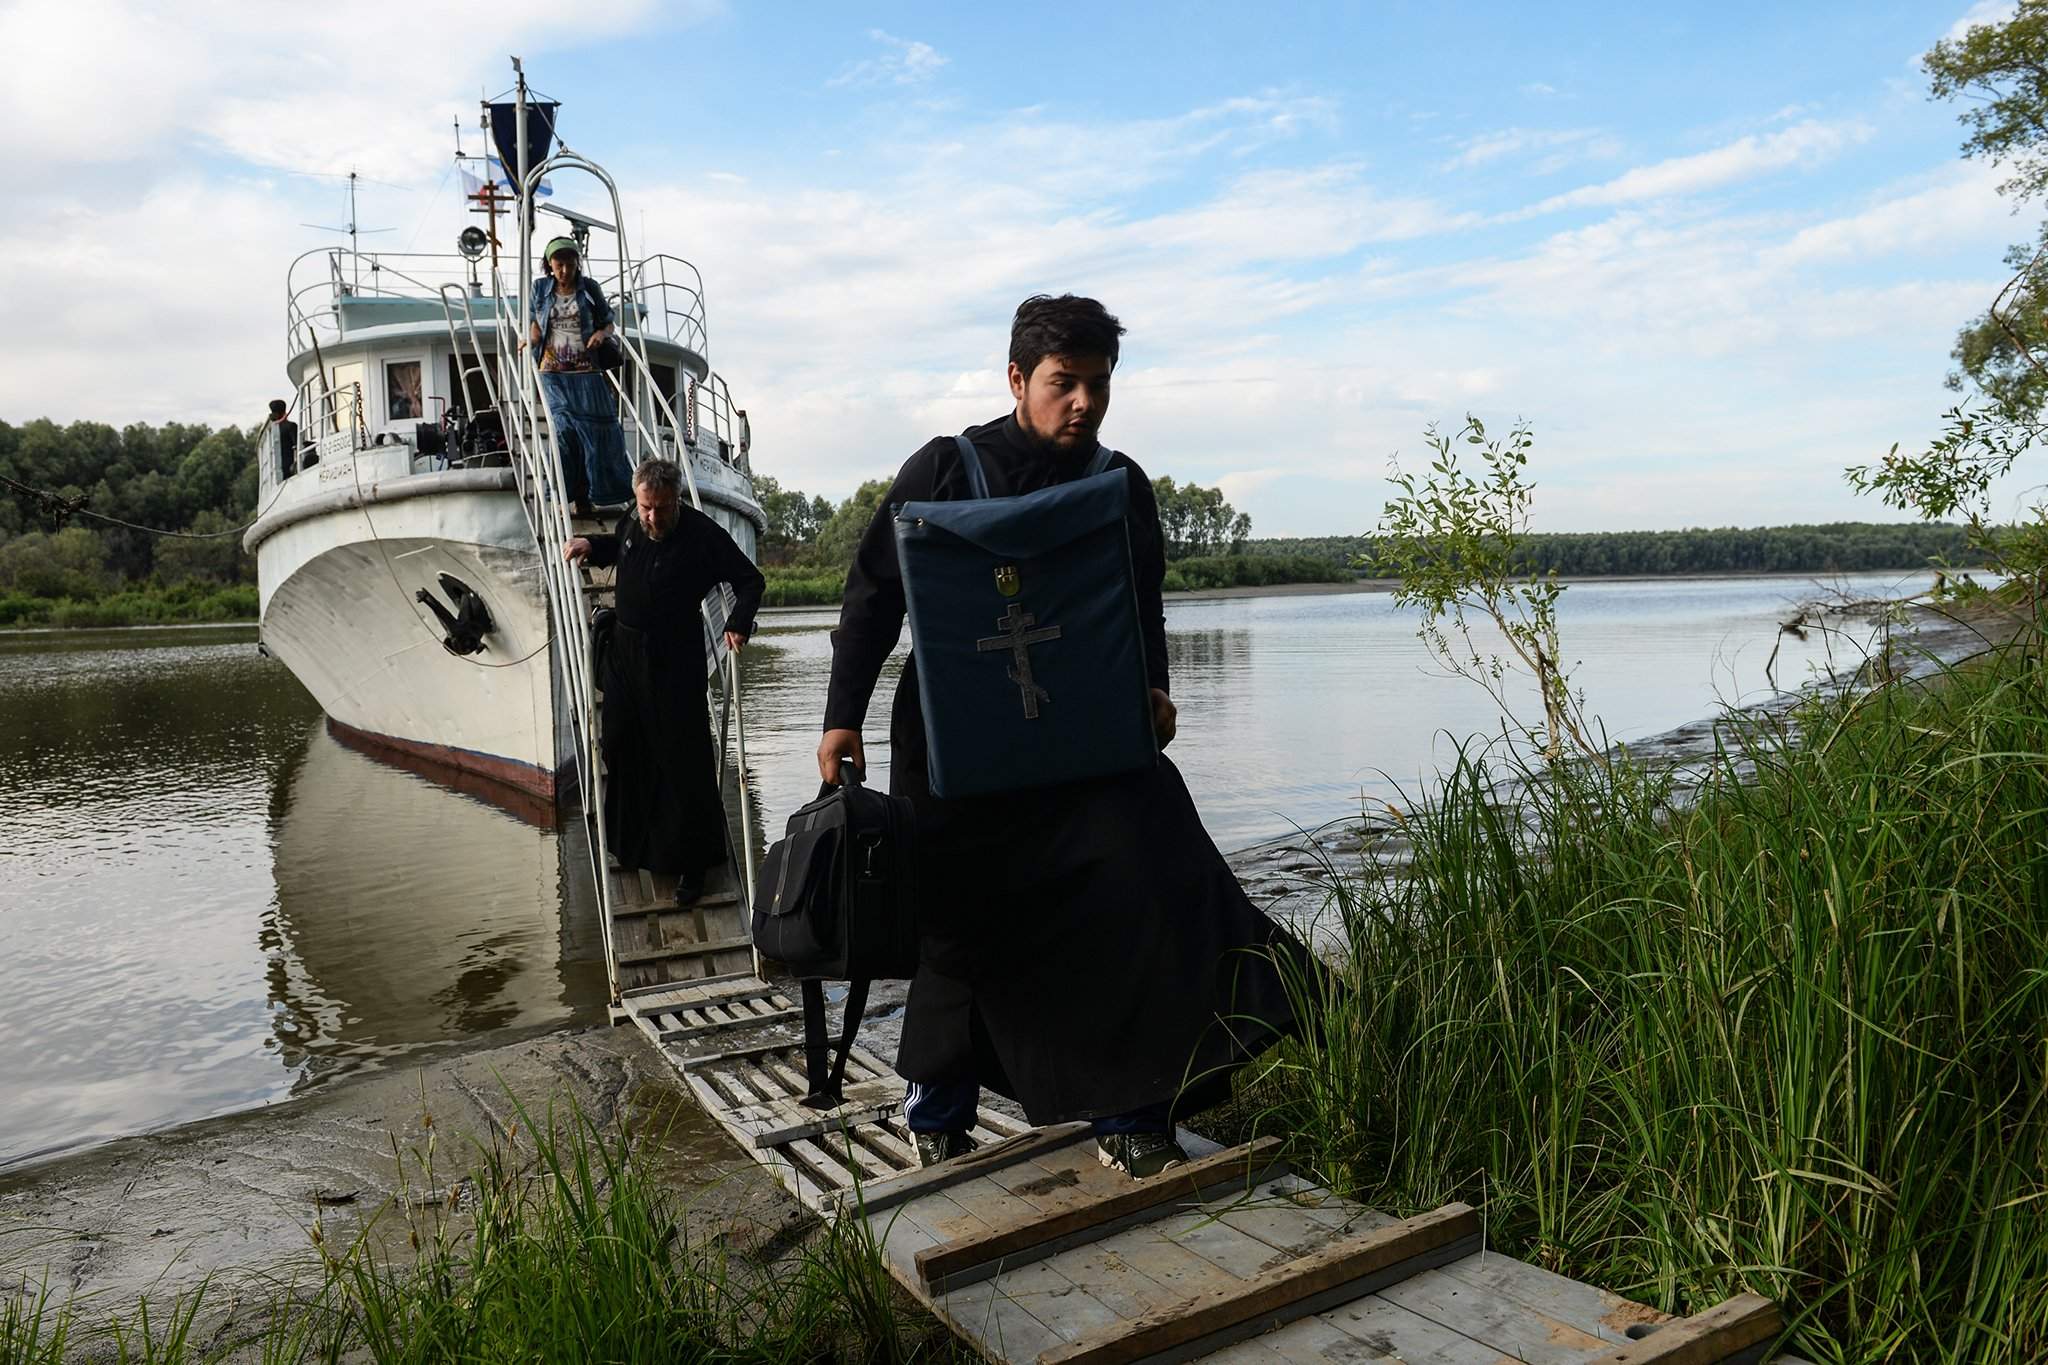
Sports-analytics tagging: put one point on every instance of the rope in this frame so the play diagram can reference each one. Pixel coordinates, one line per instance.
(67, 508)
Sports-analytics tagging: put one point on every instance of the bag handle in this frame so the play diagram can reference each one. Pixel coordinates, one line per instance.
(850, 777)
(977, 480)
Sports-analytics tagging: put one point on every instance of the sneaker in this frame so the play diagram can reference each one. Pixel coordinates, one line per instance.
(932, 1148)
(689, 888)
(1140, 1155)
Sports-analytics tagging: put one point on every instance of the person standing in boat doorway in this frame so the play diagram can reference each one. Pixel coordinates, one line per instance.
(569, 316)
(287, 439)
(1084, 947)
(661, 803)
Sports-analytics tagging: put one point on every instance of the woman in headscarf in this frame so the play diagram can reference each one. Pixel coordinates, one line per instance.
(569, 318)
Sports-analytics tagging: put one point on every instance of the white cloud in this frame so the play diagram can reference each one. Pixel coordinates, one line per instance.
(1801, 144)
(1558, 147)
(1961, 204)
(902, 61)
(1983, 12)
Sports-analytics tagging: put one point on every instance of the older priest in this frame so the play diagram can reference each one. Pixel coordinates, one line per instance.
(661, 803)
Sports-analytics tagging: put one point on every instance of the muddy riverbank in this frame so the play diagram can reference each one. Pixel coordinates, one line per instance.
(241, 1195)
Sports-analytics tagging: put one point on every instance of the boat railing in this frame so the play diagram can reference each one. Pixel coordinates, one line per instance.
(713, 418)
(662, 296)
(668, 293)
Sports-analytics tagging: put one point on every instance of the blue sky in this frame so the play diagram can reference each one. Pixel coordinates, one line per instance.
(1712, 253)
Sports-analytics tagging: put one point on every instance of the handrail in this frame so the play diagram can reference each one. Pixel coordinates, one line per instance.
(463, 370)
(565, 592)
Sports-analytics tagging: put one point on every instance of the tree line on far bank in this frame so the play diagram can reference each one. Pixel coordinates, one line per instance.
(1836, 547)
(57, 570)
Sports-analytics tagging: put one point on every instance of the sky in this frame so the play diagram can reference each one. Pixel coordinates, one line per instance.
(1712, 254)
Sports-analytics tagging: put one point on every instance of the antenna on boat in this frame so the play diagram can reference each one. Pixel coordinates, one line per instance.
(353, 229)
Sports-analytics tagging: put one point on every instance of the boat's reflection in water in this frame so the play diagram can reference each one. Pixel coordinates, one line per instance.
(416, 907)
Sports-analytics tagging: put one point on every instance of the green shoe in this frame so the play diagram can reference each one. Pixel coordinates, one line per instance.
(1140, 1155)
(932, 1148)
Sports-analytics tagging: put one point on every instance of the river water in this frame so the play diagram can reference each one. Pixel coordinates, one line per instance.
(208, 903)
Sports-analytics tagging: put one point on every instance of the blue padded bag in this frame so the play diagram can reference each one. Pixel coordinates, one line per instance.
(1024, 620)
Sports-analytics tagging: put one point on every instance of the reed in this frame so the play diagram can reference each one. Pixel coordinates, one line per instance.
(1787, 1034)
(558, 1245)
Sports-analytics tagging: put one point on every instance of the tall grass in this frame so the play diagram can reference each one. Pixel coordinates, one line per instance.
(1789, 1034)
(557, 1247)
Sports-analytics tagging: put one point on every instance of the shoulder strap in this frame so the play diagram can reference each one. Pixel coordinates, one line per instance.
(826, 1079)
(1100, 463)
(977, 482)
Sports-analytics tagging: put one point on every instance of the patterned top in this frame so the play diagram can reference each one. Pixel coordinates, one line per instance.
(565, 335)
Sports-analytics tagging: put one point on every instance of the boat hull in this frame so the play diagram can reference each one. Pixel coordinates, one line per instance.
(340, 577)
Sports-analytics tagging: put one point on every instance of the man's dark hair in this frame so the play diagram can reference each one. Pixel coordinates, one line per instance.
(1068, 325)
(278, 407)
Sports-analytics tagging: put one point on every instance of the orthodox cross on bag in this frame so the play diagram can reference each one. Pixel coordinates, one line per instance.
(1017, 638)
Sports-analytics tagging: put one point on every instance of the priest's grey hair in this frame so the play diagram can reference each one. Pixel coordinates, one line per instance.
(657, 475)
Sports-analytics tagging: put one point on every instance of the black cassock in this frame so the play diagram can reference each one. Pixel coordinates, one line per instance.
(1086, 950)
(661, 804)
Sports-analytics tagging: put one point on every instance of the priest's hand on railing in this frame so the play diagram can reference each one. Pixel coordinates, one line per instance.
(838, 744)
(576, 550)
(735, 641)
(1164, 717)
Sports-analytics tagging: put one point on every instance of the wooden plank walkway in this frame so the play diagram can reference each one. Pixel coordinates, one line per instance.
(1032, 1250)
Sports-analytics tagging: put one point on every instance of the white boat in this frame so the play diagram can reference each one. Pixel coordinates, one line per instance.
(399, 551)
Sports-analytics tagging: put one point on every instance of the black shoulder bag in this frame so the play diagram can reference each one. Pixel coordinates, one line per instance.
(837, 901)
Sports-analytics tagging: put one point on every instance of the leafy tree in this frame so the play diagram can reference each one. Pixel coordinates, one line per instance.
(218, 559)
(840, 536)
(793, 519)
(70, 563)
(2002, 69)
(1197, 521)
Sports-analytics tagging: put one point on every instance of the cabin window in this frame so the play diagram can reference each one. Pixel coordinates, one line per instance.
(404, 400)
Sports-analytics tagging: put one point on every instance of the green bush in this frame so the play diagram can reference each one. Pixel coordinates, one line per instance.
(149, 604)
(800, 586)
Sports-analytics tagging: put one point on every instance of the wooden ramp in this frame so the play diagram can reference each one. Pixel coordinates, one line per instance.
(1032, 1250)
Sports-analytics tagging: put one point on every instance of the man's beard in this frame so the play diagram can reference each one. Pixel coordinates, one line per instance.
(1048, 445)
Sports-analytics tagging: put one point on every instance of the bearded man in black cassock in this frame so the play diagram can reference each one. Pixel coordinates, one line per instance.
(1085, 948)
(662, 809)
